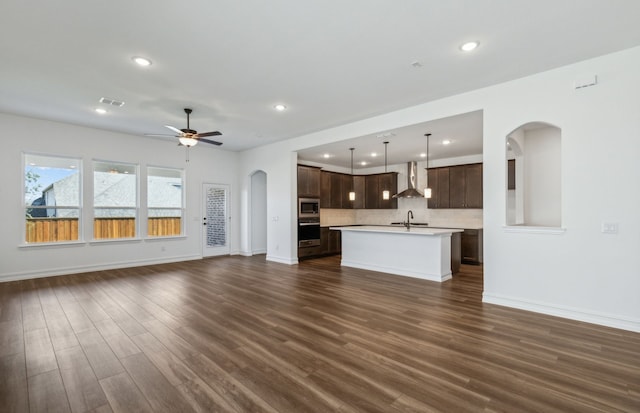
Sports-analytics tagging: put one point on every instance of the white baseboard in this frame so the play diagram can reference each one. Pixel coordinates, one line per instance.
(51, 272)
(252, 253)
(564, 312)
(259, 251)
(282, 260)
(396, 271)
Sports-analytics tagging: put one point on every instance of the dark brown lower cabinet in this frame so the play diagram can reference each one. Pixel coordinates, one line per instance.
(455, 252)
(330, 244)
(471, 246)
(330, 241)
(309, 252)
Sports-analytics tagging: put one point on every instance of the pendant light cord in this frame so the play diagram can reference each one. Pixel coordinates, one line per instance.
(427, 135)
(351, 149)
(385, 156)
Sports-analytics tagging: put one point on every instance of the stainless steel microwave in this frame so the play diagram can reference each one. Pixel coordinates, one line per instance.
(308, 207)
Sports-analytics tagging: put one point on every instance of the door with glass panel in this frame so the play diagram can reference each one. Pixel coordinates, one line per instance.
(215, 220)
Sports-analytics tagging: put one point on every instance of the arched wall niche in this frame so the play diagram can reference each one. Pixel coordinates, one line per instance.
(533, 169)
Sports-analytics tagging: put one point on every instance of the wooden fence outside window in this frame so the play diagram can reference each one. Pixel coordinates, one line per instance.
(66, 229)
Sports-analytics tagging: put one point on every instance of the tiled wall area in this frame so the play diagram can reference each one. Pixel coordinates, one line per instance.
(454, 218)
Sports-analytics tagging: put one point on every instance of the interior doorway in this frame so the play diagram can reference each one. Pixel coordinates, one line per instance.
(258, 214)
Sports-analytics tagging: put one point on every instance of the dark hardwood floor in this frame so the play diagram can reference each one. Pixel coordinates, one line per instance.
(238, 334)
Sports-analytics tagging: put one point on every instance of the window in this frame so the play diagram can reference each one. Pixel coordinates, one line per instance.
(164, 202)
(52, 198)
(115, 200)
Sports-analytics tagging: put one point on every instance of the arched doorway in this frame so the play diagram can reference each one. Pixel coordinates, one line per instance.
(258, 213)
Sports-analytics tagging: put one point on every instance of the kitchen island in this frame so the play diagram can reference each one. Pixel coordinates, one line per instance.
(418, 252)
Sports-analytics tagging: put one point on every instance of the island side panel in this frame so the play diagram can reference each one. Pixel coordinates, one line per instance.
(420, 256)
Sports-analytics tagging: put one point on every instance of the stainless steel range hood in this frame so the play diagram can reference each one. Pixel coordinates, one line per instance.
(412, 183)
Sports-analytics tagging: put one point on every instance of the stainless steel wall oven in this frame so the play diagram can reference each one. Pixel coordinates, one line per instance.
(308, 232)
(308, 222)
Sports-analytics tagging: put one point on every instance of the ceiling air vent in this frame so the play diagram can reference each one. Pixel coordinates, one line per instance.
(111, 102)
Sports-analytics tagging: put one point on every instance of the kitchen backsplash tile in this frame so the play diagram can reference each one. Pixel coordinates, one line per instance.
(334, 217)
(454, 218)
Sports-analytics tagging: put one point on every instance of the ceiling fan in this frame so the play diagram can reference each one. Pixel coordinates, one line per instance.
(189, 137)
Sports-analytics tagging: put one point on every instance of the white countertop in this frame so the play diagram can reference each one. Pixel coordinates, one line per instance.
(435, 226)
(399, 230)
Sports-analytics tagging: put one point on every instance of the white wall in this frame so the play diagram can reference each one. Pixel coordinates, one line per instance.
(542, 173)
(580, 273)
(21, 134)
(278, 162)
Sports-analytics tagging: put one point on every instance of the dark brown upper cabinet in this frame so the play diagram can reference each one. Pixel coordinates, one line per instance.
(375, 185)
(308, 181)
(372, 194)
(388, 182)
(473, 186)
(325, 189)
(359, 189)
(457, 186)
(438, 181)
(335, 188)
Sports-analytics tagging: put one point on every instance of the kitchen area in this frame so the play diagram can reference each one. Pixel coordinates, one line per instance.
(382, 202)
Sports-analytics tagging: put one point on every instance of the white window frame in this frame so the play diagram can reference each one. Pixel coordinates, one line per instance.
(135, 209)
(79, 207)
(182, 207)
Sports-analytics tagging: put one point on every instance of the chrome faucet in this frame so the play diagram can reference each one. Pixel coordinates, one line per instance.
(409, 218)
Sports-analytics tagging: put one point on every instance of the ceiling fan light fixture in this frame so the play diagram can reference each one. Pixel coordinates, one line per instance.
(187, 141)
(469, 46)
(141, 61)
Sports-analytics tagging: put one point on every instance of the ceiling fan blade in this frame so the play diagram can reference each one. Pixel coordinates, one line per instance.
(216, 133)
(160, 135)
(210, 141)
(176, 130)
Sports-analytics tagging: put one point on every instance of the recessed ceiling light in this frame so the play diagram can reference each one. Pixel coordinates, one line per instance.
(141, 61)
(423, 155)
(326, 156)
(363, 163)
(373, 154)
(446, 142)
(280, 107)
(469, 46)
(101, 111)
(72, 166)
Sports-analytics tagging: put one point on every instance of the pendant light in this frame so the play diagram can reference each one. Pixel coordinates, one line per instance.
(385, 193)
(427, 190)
(352, 194)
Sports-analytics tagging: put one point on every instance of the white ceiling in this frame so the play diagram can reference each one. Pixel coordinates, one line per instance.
(331, 62)
(464, 133)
